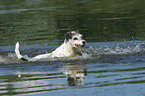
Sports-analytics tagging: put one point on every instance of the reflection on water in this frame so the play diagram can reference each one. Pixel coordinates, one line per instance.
(75, 74)
(30, 82)
(113, 61)
(48, 77)
(103, 66)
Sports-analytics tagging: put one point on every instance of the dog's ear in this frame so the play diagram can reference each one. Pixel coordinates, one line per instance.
(68, 35)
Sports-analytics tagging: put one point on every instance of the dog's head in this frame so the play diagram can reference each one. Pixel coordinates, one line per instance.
(75, 39)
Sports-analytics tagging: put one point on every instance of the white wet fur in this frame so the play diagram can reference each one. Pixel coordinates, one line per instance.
(71, 47)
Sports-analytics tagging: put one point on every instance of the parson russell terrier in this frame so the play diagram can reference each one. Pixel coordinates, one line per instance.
(71, 47)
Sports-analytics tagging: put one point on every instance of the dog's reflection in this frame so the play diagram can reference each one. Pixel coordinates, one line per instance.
(75, 74)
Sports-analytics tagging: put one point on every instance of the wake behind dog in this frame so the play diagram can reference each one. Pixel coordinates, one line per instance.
(71, 47)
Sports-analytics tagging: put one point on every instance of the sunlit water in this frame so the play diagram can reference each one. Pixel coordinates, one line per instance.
(113, 61)
(105, 68)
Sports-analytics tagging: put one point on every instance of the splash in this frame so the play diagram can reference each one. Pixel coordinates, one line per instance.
(2, 59)
(10, 58)
(116, 50)
(91, 52)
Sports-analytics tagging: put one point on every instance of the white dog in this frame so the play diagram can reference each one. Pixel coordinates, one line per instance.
(71, 47)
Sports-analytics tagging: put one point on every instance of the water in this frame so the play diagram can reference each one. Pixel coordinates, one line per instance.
(113, 61)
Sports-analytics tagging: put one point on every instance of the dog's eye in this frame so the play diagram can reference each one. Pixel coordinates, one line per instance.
(75, 38)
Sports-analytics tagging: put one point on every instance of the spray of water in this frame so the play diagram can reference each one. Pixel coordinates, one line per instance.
(89, 52)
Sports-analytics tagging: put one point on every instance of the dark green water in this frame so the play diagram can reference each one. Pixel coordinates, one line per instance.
(115, 35)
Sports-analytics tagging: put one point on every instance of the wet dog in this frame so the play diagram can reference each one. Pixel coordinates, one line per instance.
(71, 47)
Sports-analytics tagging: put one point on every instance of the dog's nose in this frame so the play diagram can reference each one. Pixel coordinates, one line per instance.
(84, 42)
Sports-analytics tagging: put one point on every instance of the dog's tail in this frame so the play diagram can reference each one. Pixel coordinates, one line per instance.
(18, 53)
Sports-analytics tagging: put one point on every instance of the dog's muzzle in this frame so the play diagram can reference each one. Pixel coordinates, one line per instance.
(80, 46)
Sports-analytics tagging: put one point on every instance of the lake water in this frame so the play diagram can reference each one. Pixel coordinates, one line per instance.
(113, 61)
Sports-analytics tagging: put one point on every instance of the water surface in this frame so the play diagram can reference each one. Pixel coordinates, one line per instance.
(113, 60)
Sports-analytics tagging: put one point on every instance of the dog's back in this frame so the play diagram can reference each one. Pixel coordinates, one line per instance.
(71, 47)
